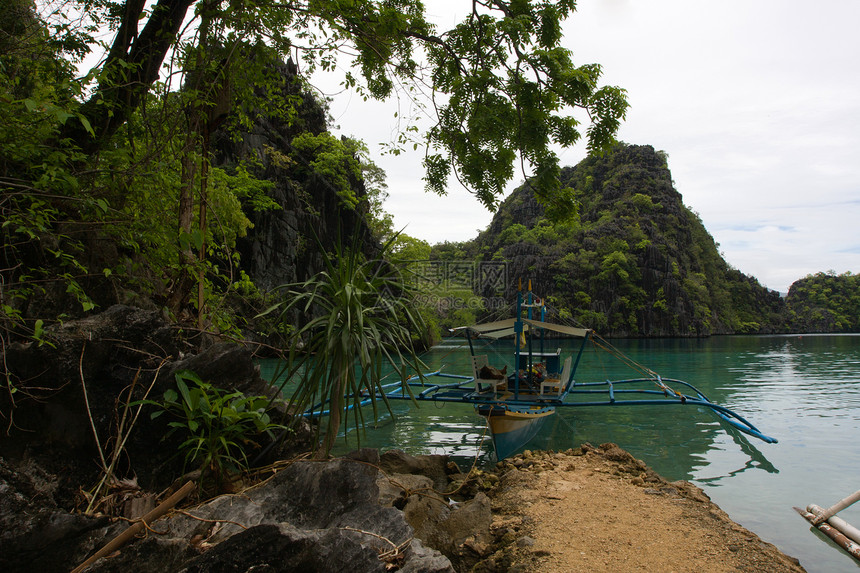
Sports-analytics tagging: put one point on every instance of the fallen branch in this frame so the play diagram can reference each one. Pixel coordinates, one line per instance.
(89, 412)
(133, 530)
(213, 521)
(384, 555)
(122, 434)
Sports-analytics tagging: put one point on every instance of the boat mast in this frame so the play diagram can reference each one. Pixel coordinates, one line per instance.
(518, 331)
(530, 305)
(542, 330)
(578, 356)
(469, 340)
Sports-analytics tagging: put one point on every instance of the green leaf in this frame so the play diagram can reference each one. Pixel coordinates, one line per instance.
(197, 238)
(62, 115)
(86, 123)
(269, 310)
(183, 390)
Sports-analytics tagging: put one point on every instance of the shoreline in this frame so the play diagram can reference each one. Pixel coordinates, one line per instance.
(585, 509)
(600, 509)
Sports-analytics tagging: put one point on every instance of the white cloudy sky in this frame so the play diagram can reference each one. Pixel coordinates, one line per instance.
(757, 103)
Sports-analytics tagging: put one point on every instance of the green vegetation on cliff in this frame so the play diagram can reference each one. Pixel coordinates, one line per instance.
(825, 302)
(635, 262)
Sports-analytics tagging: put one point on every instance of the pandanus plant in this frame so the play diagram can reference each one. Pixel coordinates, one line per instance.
(360, 317)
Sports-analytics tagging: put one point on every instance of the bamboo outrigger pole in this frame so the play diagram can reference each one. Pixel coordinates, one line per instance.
(137, 526)
(852, 548)
(840, 524)
(839, 530)
(839, 506)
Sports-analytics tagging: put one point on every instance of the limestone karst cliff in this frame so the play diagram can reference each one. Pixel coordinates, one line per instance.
(635, 262)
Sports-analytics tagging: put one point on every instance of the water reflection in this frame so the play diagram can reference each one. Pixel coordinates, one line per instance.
(757, 459)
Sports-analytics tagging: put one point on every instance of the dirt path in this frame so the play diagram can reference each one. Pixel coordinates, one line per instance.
(599, 509)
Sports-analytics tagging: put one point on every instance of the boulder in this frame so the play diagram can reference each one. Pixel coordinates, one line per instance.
(36, 534)
(436, 467)
(311, 516)
(459, 530)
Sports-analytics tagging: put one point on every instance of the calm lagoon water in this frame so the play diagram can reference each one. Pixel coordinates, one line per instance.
(802, 390)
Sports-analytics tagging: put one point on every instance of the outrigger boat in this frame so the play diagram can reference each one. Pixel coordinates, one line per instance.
(516, 405)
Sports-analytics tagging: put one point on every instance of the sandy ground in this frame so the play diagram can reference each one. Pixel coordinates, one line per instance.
(599, 509)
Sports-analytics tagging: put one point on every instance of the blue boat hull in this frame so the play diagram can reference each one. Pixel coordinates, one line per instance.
(512, 429)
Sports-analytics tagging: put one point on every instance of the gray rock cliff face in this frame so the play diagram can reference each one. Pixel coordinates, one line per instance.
(333, 516)
(282, 247)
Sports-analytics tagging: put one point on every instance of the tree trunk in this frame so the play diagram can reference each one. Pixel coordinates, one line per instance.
(182, 283)
(335, 411)
(124, 86)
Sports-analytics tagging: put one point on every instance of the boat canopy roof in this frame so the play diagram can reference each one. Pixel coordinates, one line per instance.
(502, 328)
(560, 328)
(494, 330)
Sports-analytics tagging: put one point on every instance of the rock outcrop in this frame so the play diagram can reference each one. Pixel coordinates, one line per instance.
(36, 534)
(78, 382)
(341, 515)
(366, 512)
(282, 247)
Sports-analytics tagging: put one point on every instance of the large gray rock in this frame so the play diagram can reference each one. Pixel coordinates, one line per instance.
(436, 467)
(459, 530)
(310, 516)
(35, 534)
(420, 486)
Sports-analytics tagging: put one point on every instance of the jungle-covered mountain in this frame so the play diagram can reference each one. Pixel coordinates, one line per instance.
(825, 302)
(635, 262)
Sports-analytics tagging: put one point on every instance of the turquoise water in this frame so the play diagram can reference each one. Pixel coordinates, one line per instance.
(802, 390)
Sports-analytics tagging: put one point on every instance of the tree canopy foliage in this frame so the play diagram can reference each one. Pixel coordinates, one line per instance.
(124, 151)
(501, 83)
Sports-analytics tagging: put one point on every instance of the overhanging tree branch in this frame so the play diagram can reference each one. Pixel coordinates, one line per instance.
(133, 64)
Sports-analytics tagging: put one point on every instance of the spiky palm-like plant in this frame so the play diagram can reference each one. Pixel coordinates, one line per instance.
(360, 317)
